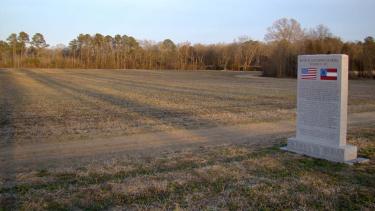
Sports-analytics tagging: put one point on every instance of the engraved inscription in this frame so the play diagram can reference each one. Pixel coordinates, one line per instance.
(318, 108)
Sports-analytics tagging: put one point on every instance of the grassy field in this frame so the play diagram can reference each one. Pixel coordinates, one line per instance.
(55, 106)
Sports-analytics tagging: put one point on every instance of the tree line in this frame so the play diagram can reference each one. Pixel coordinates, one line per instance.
(276, 56)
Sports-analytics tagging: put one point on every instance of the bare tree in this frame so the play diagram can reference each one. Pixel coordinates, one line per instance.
(320, 32)
(249, 51)
(285, 29)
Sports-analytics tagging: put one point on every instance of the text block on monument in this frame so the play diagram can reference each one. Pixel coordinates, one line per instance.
(322, 95)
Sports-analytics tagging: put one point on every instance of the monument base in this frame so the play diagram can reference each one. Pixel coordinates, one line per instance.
(341, 154)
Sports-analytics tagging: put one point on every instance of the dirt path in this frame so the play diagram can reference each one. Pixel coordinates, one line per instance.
(44, 155)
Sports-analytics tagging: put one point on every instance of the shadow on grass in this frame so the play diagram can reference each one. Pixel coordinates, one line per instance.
(191, 91)
(163, 115)
(12, 93)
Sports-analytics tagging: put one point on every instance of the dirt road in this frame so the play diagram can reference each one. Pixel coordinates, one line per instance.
(69, 153)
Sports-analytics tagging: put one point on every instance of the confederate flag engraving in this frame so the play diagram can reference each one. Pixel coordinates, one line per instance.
(328, 74)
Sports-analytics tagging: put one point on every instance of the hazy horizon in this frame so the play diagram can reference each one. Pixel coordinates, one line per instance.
(198, 22)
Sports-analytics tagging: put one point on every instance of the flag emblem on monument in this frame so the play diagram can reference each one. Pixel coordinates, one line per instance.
(308, 73)
(328, 74)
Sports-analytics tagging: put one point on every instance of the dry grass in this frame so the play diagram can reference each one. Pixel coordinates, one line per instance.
(221, 177)
(58, 105)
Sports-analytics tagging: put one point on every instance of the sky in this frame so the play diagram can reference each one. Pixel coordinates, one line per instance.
(197, 21)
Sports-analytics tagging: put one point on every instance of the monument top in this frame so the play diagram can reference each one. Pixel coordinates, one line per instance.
(323, 55)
